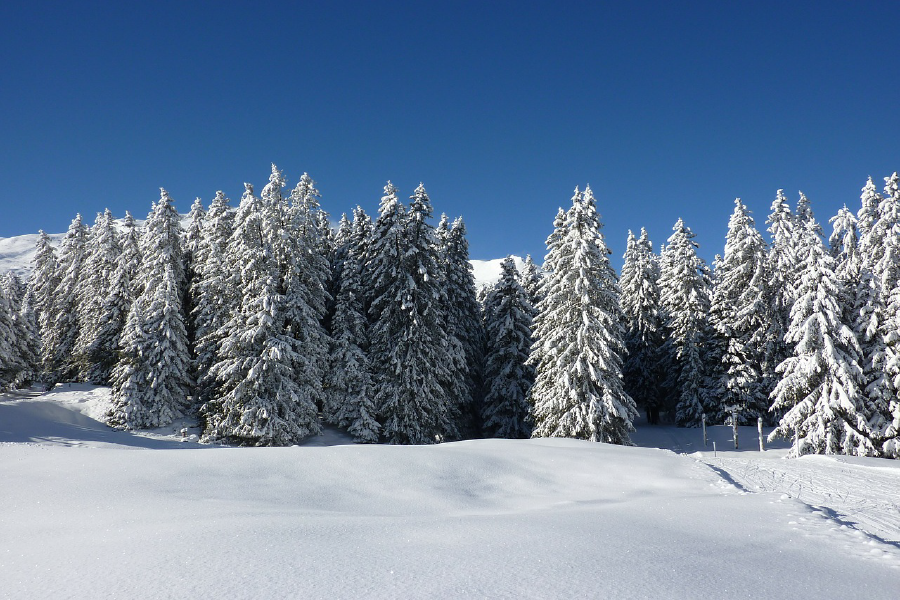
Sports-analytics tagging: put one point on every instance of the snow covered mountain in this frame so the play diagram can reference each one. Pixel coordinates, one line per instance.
(16, 253)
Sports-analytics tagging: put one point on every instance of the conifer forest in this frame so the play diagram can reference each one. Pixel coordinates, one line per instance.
(264, 320)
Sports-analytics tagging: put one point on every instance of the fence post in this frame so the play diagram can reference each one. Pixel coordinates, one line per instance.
(705, 442)
(734, 429)
(762, 443)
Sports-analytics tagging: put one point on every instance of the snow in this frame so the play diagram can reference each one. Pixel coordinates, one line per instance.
(89, 512)
(488, 271)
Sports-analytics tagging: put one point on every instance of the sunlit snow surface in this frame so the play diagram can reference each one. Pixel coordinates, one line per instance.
(86, 512)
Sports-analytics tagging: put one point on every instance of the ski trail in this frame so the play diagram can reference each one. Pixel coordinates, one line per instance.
(853, 496)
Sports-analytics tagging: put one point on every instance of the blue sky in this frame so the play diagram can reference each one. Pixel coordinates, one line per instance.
(500, 108)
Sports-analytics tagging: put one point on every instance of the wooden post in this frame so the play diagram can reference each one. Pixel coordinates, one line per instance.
(714, 450)
(705, 442)
(762, 443)
(734, 429)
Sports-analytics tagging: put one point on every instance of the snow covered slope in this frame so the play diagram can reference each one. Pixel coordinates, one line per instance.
(93, 513)
(16, 254)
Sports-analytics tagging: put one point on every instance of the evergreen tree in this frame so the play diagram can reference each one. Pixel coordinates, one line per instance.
(409, 345)
(844, 244)
(463, 325)
(507, 377)
(643, 370)
(684, 295)
(578, 337)
(349, 394)
(62, 333)
(215, 290)
(42, 285)
(266, 394)
(193, 238)
(823, 374)
(98, 313)
(151, 381)
(739, 316)
(781, 266)
(530, 281)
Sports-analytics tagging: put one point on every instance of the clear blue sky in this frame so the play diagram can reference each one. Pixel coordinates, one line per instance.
(501, 108)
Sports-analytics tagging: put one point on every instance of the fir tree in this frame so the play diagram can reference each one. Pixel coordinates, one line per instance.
(739, 316)
(684, 295)
(42, 285)
(265, 396)
(578, 390)
(823, 374)
(507, 377)
(463, 324)
(151, 381)
(62, 332)
(409, 346)
(643, 370)
(214, 289)
(98, 313)
(530, 281)
(349, 394)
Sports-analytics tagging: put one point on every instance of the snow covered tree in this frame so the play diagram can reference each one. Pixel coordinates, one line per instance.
(462, 322)
(193, 238)
(151, 382)
(96, 356)
(349, 394)
(42, 285)
(267, 394)
(684, 296)
(530, 280)
(215, 292)
(578, 337)
(823, 375)
(781, 266)
(61, 336)
(644, 367)
(409, 344)
(304, 256)
(507, 377)
(844, 244)
(739, 316)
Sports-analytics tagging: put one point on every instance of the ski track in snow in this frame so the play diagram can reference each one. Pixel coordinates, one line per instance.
(861, 498)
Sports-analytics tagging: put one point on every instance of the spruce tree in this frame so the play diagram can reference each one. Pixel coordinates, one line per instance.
(643, 369)
(530, 281)
(99, 313)
(349, 394)
(507, 377)
(463, 325)
(62, 333)
(151, 382)
(409, 345)
(684, 295)
(42, 285)
(215, 292)
(822, 376)
(578, 337)
(739, 316)
(265, 395)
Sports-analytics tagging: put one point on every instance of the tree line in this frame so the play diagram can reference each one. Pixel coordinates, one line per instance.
(262, 320)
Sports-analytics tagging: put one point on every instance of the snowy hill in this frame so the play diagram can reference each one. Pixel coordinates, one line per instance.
(93, 513)
(16, 254)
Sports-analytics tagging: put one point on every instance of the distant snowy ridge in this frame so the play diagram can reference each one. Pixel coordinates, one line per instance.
(16, 253)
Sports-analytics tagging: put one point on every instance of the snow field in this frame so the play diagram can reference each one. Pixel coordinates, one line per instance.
(546, 518)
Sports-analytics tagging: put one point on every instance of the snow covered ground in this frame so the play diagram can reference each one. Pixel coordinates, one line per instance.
(88, 512)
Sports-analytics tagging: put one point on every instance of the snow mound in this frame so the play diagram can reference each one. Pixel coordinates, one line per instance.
(546, 518)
